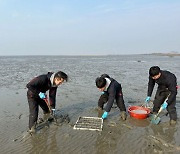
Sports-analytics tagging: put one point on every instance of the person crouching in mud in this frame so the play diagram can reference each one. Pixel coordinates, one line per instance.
(111, 90)
(36, 95)
(167, 87)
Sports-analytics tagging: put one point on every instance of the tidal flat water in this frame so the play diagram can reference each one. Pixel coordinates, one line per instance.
(78, 97)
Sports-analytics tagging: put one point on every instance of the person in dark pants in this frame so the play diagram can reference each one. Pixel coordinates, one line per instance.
(36, 94)
(111, 90)
(167, 88)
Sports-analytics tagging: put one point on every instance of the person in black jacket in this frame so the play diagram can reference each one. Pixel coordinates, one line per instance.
(111, 90)
(36, 94)
(167, 88)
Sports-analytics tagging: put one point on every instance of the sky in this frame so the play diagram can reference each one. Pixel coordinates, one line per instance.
(89, 27)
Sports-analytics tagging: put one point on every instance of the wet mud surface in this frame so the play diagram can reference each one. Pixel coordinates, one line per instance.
(79, 97)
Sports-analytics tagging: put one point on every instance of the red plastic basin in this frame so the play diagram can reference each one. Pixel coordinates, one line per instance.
(138, 112)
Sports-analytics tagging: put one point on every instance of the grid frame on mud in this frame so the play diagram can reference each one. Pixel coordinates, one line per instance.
(89, 123)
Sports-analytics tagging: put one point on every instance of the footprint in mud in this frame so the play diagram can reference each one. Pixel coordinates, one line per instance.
(24, 136)
(44, 123)
(62, 118)
(58, 118)
(161, 145)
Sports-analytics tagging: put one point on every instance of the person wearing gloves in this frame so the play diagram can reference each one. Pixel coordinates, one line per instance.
(36, 94)
(111, 90)
(167, 88)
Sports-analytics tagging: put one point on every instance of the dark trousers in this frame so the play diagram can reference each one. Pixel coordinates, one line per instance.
(119, 101)
(160, 97)
(34, 103)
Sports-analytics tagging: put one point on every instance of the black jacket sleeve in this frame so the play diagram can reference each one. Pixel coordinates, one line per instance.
(112, 94)
(172, 87)
(52, 96)
(151, 84)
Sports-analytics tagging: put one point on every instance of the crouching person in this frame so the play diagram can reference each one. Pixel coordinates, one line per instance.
(36, 95)
(111, 90)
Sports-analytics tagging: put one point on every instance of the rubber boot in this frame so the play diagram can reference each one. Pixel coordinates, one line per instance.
(32, 130)
(123, 115)
(173, 122)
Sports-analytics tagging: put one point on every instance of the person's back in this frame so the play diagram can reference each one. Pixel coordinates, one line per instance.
(40, 83)
(167, 79)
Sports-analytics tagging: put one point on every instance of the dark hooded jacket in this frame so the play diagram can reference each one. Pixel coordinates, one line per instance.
(167, 81)
(114, 90)
(42, 84)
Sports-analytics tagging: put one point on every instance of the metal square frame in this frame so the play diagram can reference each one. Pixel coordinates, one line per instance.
(89, 123)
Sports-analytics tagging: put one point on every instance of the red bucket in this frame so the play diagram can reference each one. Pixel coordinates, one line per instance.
(138, 112)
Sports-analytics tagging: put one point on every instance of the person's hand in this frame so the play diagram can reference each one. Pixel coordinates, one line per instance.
(105, 114)
(164, 105)
(147, 99)
(42, 95)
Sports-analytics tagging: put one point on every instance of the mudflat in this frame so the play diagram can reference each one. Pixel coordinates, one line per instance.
(79, 97)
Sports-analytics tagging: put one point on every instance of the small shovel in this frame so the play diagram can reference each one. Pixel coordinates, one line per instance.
(46, 100)
(155, 119)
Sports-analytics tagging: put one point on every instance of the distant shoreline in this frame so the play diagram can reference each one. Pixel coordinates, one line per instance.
(171, 54)
(166, 54)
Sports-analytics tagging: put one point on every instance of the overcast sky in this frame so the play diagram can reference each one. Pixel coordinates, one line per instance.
(89, 27)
